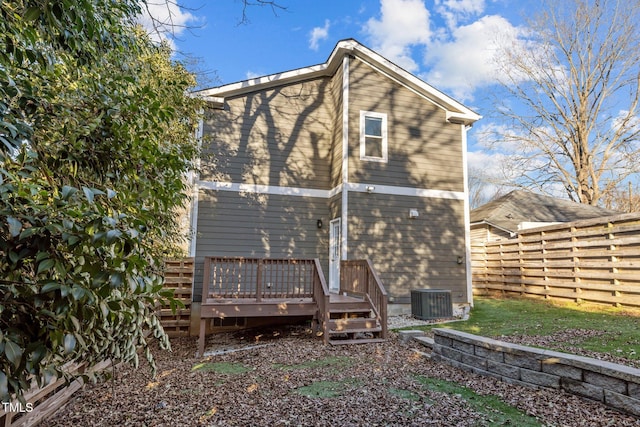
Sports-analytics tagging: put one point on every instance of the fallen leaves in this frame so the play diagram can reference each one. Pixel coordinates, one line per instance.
(298, 381)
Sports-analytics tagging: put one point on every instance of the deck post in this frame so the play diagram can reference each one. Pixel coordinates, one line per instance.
(259, 281)
(202, 336)
(205, 295)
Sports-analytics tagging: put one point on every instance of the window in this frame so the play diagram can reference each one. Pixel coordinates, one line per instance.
(373, 136)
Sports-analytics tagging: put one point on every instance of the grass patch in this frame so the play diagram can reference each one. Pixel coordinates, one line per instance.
(404, 394)
(334, 362)
(495, 410)
(226, 368)
(325, 389)
(510, 316)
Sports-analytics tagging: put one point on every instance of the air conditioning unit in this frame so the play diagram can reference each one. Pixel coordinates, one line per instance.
(431, 304)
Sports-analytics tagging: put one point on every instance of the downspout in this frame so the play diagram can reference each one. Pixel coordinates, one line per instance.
(193, 232)
(467, 221)
(345, 158)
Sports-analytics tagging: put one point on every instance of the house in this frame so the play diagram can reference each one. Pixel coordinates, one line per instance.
(351, 159)
(521, 209)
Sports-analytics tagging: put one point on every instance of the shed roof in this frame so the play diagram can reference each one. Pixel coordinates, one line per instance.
(455, 111)
(520, 206)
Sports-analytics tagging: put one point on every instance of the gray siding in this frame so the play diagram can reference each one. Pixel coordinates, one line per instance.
(278, 137)
(336, 149)
(335, 206)
(291, 136)
(410, 253)
(425, 151)
(260, 226)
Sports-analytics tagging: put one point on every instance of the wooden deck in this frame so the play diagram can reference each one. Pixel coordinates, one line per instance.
(251, 287)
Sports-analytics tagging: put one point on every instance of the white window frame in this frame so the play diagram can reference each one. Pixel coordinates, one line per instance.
(383, 117)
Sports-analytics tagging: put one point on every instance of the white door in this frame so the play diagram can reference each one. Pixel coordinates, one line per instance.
(334, 255)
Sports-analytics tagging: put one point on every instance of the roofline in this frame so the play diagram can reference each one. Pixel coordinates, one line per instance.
(455, 111)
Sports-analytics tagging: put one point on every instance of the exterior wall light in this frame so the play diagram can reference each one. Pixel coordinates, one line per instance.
(413, 213)
(459, 259)
(319, 223)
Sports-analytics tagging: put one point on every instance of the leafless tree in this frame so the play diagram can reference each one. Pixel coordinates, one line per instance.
(166, 19)
(161, 14)
(571, 113)
(484, 188)
(274, 5)
(623, 200)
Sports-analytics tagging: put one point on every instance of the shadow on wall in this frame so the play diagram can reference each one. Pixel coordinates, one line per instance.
(285, 140)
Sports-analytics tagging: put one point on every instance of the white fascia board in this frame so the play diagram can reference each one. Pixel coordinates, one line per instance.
(461, 118)
(213, 101)
(266, 82)
(328, 68)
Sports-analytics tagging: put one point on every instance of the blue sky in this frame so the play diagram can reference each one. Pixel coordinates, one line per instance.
(447, 43)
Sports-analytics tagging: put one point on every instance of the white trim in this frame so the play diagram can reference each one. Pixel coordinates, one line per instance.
(405, 191)
(363, 136)
(193, 232)
(193, 178)
(267, 189)
(344, 209)
(327, 194)
(334, 264)
(467, 221)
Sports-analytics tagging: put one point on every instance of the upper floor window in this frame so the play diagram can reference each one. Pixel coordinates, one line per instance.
(373, 136)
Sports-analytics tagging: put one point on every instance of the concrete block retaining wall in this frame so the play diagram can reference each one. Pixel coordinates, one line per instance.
(615, 385)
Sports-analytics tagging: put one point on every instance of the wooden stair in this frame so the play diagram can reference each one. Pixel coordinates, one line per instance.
(352, 321)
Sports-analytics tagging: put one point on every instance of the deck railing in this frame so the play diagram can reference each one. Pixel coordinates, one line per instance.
(259, 279)
(256, 278)
(359, 278)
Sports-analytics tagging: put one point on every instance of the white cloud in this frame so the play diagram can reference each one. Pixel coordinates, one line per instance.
(630, 121)
(488, 163)
(402, 24)
(317, 34)
(457, 58)
(454, 11)
(466, 60)
(165, 20)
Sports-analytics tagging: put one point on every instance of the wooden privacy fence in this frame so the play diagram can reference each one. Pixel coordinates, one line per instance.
(595, 260)
(178, 275)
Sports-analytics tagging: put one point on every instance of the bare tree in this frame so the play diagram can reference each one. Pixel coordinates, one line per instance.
(572, 120)
(623, 200)
(483, 187)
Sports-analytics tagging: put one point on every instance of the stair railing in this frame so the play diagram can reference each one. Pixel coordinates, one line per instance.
(321, 296)
(359, 278)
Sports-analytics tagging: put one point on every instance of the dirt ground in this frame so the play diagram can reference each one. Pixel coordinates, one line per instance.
(287, 377)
